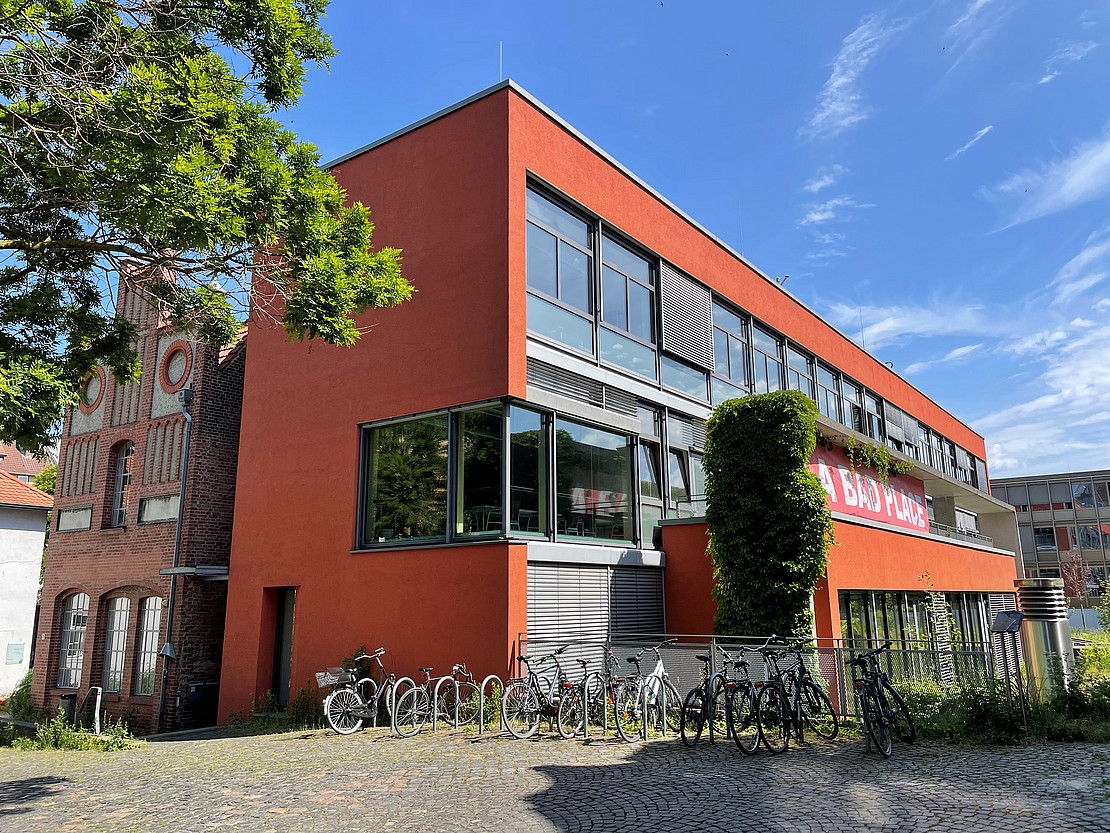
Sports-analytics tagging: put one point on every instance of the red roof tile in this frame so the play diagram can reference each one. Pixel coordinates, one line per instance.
(14, 492)
(15, 461)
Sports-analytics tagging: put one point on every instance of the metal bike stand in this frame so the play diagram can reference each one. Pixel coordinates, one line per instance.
(393, 701)
(709, 703)
(593, 675)
(482, 702)
(435, 701)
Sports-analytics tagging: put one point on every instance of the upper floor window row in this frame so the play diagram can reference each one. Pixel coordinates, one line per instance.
(590, 291)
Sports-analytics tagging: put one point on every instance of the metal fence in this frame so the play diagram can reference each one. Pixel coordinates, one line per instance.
(827, 660)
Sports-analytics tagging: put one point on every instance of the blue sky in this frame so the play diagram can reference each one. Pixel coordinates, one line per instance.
(939, 171)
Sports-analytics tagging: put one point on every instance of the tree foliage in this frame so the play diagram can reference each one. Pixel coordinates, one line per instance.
(132, 149)
(46, 479)
(769, 525)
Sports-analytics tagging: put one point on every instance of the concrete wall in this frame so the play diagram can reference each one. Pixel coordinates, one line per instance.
(22, 534)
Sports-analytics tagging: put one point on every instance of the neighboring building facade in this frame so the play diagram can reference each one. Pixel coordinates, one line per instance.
(106, 599)
(18, 463)
(497, 456)
(23, 512)
(1063, 527)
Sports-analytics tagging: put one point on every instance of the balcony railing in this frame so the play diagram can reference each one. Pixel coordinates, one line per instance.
(960, 534)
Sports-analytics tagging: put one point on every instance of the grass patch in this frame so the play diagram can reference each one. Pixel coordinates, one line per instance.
(58, 734)
(265, 717)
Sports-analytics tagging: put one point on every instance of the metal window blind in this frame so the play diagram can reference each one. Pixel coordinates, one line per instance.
(687, 317)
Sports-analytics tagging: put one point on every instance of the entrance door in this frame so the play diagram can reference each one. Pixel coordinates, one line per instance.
(283, 645)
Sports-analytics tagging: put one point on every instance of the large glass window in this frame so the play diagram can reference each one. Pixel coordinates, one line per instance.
(527, 473)
(873, 408)
(799, 372)
(75, 619)
(479, 472)
(594, 482)
(1044, 538)
(560, 269)
(651, 472)
(115, 643)
(406, 481)
(851, 404)
(683, 377)
(121, 491)
(150, 619)
(828, 393)
(767, 374)
(730, 354)
(1083, 495)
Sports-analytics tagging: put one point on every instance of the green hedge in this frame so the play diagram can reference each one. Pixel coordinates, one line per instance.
(769, 525)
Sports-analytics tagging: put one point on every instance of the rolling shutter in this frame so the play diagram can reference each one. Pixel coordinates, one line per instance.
(592, 602)
(636, 601)
(687, 317)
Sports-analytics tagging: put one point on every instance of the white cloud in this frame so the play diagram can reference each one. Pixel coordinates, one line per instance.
(836, 209)
(1088, 268)
(1068, 54)
(978, 23)
(825, 177)
(1063, 183)
(974, 139)
(840, 104)
(1104, 304)
(886, 325)
(825, 254)
(1037, 343)
(957, 356)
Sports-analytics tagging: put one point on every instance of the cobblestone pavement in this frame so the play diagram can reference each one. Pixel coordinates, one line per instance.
(452, 781)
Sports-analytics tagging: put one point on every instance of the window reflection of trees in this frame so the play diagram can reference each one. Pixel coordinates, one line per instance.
(408, 480)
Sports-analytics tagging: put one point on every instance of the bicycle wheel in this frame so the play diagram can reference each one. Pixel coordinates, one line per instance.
(719, 712)
(470, 701)
(572, 713)
(343, 708)
(520, 709)
(672, 708)
(413, 709)
(693, 716)
(743, 720)
(901, 723)
(876, 722)
(629, 708)
(817, 711)
(773, 714)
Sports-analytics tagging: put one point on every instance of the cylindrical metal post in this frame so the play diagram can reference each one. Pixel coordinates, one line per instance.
(1046, 643)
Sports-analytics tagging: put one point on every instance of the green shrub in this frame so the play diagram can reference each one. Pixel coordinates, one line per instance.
(19, 704)
(769, 524)
(975, 712)
(58, 734)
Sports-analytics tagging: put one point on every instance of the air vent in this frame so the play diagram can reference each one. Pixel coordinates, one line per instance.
(687, 318)
(580, 388)
(619, 402)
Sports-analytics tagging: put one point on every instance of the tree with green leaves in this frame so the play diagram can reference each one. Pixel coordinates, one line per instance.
(769, 524)
(138, 143)
(46, 479)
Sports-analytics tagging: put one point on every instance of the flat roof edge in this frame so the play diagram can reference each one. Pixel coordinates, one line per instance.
(508, 83)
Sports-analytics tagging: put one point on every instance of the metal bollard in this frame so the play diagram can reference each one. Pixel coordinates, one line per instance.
(482, 702)
(393, 701)
(435, 701)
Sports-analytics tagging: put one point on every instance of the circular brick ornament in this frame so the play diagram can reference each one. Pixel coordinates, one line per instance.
(92, 392)
(177, 361)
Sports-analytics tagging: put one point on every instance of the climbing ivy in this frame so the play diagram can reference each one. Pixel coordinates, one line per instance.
(871, 456)
(769, 525)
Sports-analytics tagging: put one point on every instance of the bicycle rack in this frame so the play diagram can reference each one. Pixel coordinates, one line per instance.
(482, 702)
(435, 700)
(709, 703)
(393, 701)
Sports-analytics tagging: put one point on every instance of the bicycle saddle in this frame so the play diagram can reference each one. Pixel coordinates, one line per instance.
(704, 657)
(634, 660)
(582, 662)
(426, 670)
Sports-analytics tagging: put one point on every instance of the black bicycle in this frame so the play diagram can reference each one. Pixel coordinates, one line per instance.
(529, 698)
(885, 715)
(703, 706)
(355, 695)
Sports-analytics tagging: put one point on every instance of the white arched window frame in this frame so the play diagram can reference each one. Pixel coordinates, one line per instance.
(75, 620)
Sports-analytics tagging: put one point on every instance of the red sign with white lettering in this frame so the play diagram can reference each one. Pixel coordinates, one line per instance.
(858, 491)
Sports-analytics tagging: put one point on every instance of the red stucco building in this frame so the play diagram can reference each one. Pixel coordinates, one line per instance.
(495, 457)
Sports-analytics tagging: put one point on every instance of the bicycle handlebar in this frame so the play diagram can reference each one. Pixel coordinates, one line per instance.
(862, 659)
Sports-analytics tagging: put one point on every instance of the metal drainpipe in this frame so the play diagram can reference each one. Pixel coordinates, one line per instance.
(186, 401)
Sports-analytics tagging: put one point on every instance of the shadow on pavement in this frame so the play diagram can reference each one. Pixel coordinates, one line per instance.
(16, 796)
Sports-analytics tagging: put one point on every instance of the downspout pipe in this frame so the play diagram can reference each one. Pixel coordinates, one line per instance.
(167, 651)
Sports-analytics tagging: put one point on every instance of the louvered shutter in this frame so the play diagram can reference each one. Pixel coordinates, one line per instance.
(687, 317)
(636, 601)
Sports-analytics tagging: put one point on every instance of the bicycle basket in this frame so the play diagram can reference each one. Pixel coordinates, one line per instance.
(329, 677)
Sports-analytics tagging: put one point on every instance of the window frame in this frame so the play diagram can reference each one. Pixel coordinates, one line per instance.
(124, 463)
(71, 645)
(116, 628)
(147, 649)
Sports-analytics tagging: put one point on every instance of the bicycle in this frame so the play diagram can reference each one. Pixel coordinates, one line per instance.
(415, 707)
(702, 706)
(355, 698)
(526, 699)
(885, 714)
(810, 706)
(664, 704)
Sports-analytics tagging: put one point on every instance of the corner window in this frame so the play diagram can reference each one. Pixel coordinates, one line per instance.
(150, 620)
(121, 489)
(406, 481)
(115, 643)
(559, 276)
(75, 619)
(528, 472)
(478, 464)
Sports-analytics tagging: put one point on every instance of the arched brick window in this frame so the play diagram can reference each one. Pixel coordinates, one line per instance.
(75, 619)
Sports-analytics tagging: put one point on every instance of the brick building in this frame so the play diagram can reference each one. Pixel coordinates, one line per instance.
(108, 593)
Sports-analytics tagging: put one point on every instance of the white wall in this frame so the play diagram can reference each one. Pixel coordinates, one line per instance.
(22, 533)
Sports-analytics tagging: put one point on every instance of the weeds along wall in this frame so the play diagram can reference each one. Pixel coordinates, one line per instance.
(769, 525)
